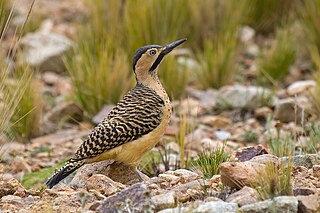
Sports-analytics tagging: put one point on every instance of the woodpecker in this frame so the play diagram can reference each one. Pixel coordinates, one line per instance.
(135, 125)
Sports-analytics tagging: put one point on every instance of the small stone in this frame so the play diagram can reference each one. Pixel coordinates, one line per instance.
(103, 184)
(259, 207)
(286, 204)
(216, 207)
(164, 201)
(134, 196)
(265, 159)
(186, 174)
(169, 177)
(11, 203)
(299, 87)
(11, 187)
(316, 171)
(246, 33)
(247, 153)
(173, 147)
(239, 174)
(45, 49)
(98, 118)
(222, 135)
(307, 160)
(303, 191)
(263, 112)
(218, 122)
(244, 196)
(308, 204)
(50, 78)
(176, 210)
(70, 112)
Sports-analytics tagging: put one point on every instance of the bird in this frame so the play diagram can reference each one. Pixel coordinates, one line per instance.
(136, 123)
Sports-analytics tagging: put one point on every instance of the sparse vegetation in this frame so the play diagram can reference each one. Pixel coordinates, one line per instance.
(276, 61)
(274, 181)
(282, 146)
(26, 118)
(209, 160)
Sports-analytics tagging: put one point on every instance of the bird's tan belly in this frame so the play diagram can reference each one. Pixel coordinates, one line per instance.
(131, 153)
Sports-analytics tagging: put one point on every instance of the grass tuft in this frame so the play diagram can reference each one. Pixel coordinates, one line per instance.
(274, 181)
(209, 160)
(275, 62)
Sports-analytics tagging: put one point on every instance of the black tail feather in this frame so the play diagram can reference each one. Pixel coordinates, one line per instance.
(67, 169)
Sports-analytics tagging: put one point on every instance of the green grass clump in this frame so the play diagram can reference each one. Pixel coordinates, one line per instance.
(266, 15)
(174, 77)
(26, 117)
(209, 161)
(155, 22)
(275, 62)
(282, 146)
(217, 62)
(313, 144)
(274, 181)
(36, 178)
(99, 76)
(310, 13)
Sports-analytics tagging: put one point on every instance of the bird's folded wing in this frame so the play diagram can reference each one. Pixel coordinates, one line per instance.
(132, 118)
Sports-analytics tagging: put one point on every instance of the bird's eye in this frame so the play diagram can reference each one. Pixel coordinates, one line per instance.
(152, 52)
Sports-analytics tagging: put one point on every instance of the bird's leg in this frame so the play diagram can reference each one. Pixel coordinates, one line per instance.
(139, 175)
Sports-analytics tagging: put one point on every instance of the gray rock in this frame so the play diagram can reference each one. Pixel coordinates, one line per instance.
(238, 96)
(282, 204)
(246, 33)
(301, 86)
(308, 204)
(132, 199)
(259, 207)
(44, 49)
(307, 160)
(290, 109)
(246, 195)
(163, 201)
(264, 159)
(117, 172)
(102, 113)
(222, 135)
(216, 207)
(176, 210)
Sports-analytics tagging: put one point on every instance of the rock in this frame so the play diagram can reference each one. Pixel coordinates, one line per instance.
(12, 187)
(11, 203)
(207, 98)
(50, 78)
(134, 197)
(282, 204)
(286, 204)
(316, 171)
(299, 87)
(222, 135)
(307, 160)
(103, 184)
(218, 122)
(238, 96)
(239, 174)
(186, 174)
(246, 33)
(265, 159)
(45, 49)
(98, 118)
(244, 196)
(182, 191)
(216, 207)
(289, 109)
(163, 201)
(176, 210)
(169, 177)
(262, 112)
(308, 204)
(207, 144)
(247, 153)
(303, 191)
(69, 112)
(117, 172)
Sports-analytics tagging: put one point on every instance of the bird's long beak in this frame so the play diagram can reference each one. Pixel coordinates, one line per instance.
(168, 48)
(164, 51)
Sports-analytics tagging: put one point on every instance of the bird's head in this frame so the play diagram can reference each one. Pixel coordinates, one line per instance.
(146, 60)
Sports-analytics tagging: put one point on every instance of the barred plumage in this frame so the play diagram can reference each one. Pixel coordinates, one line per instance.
(134, 125)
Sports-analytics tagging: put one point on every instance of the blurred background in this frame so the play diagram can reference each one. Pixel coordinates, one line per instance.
(247, 66)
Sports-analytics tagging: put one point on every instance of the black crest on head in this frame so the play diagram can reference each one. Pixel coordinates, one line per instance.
(140, 51)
